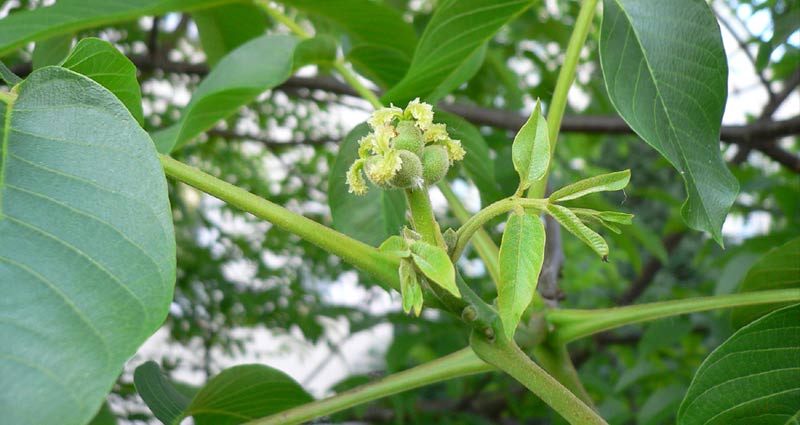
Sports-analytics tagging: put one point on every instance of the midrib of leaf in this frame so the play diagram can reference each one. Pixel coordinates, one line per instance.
(4, 152)
(672, 142)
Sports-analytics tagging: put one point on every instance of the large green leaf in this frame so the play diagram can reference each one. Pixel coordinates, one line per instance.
(66, 16)
(778, 269)
(51, 51)
(87, 251)
(103, 63)
(752, 378)
(372, 217)
(237, 395)
(520, 260)
(457, 29)
(666, 73)
(243, 74)
(385, 66)
(222, 29)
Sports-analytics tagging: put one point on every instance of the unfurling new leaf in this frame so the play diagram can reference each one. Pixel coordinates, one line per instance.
(410, 288)
(521, 256)
(435, 264)
(602, 183)
(571, 222)
(395, 245)
(531, 150)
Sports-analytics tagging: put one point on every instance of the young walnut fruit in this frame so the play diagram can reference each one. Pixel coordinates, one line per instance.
(409, 137)
(404, 150)
(410, 174)
(435, 163)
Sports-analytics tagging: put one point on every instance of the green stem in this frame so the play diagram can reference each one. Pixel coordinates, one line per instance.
(556, 361)
(502, 206)
(355, 252)
(362, 90)
(461, 363)
(506, 356)
(7, 98)
(280, 17)
(422, 217)
(566, 76)
(483, 243)
(574, 324)
(338, 65)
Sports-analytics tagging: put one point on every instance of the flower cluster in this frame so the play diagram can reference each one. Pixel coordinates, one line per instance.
(404, 150)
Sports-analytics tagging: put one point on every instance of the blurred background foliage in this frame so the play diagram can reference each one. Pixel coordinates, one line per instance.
(237, 275)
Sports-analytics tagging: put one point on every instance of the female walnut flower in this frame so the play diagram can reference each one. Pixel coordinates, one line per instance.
(404, 150)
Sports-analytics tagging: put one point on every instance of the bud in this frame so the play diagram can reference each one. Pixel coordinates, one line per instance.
(409, 137)
(435, 163)
(409, 176)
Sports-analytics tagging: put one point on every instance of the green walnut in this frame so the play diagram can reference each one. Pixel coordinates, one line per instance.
(410, 174)
(435, 163)
(408, 138)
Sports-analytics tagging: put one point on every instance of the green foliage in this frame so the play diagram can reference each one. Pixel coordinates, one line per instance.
(671, 90)
(87, 239)
(103, 63)
(601, 183)
(530, 151)
(236, 80)
(753, 377)
(224, 28)
(521, 256)
(778, 269)
(434, 263)
(81, 193)
(73, 15)
(457, 29)
(235, 396)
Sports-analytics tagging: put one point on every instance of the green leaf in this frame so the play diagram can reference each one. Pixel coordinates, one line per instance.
(396, 245)
(460, 75)
(370, 218)
(383, 65)
(103, 63)
(479, 170)
(778, 269)
(365, 21)
(104, 416)
(571, 222)
(222, 29)
(243, 393)
(409, 287)
(666, 73)
(434, 263)
(520, 260)
(752, 378)
(317, 50)
(87, 259)
(457, 29)
(531, 150)
(69, 16)
(158, 392)
(243, 74)
(602, 183)
(51, 51)
(237, 395)
(9, 77)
